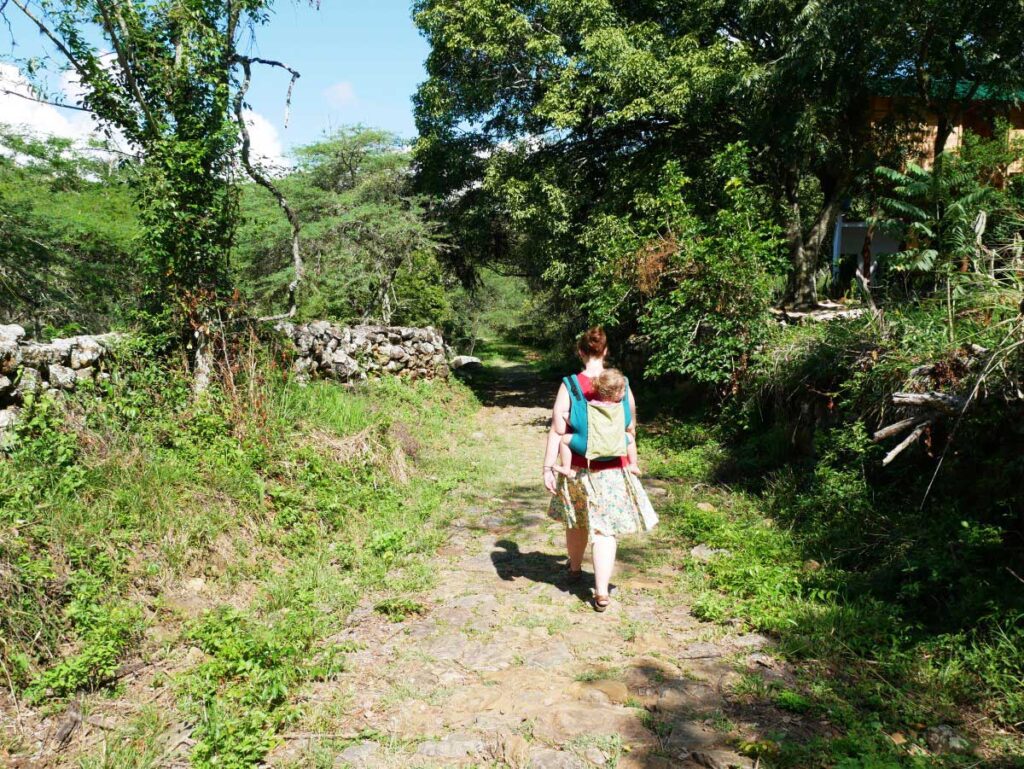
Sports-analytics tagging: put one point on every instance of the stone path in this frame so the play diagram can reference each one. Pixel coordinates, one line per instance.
(510, 667)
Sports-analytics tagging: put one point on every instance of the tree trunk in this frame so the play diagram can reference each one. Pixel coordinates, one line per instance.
(802, 289)
(943, 130)
(202, 357)
(864, 265)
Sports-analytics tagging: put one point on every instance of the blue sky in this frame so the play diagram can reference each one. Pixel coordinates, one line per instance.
(360, 64)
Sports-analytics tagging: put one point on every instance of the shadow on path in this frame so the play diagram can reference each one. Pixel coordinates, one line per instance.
(516, 386)
(510, 562)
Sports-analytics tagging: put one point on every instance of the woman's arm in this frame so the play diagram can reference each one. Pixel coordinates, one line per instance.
(558, 429)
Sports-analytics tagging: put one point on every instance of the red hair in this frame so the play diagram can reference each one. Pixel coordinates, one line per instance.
(593, 343)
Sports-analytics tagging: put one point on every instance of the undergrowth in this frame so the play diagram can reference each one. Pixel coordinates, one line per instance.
(288, 503)
(903, 610)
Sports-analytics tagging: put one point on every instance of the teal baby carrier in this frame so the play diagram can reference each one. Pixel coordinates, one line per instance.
(598, 431)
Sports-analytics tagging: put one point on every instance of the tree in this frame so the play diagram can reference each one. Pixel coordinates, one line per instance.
(167, 87)
(539, 116)
(370, 250)
(69, 231)
(958, 55)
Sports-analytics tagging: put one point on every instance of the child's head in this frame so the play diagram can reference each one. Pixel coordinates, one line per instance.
(610, 385)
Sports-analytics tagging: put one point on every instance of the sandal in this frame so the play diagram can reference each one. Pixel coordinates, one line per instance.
(601, 602)
(574, 576)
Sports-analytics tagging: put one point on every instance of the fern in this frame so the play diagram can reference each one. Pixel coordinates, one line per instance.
(939, 210)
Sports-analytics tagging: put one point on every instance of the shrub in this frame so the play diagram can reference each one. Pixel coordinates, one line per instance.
(701, 286)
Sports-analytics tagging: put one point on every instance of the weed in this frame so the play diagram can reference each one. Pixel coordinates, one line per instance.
(793, 701)
(752, 686)
(138, 745)
(596, 675)
(610, 746)
(398, 609)
(720, 722)
(630, 629)
(657, 726)
(153, 484)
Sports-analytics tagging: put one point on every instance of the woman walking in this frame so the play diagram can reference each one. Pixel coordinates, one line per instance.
(604, 499)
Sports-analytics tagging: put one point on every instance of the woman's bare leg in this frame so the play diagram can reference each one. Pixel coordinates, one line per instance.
(576, 546)
(604, 562)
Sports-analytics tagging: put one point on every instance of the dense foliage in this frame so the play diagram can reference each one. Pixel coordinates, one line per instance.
(370, 253)
(69, 231)
(540, 119)
(698, 288)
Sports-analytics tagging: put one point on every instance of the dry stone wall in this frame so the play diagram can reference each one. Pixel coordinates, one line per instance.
(323, 350)
(347, 354)
(33, 368)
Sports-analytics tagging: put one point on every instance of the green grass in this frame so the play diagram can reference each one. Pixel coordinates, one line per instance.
(899, 612)
(138, 745)
(865, 668)
(291, 503)
(399, 609)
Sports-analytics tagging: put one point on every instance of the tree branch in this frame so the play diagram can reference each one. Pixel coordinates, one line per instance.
(950, 404)
(79, 67)
(291, 83)
(261, 179)
(905, 443)
(62, 105)
(125, 62)
(895, 429)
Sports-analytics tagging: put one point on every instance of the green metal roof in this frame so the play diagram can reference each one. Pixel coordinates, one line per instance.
(938, 88)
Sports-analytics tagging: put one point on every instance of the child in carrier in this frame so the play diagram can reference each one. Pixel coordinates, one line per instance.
(609, 420)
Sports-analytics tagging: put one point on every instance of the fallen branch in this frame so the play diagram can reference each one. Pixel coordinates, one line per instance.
(922, 371)
(905, 443)
(950, 404)
(820, 315)
(71, 721)
(321, 736)
(1001, 353)
(895, 429)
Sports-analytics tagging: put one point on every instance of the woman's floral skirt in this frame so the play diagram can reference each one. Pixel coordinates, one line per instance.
(609, 502)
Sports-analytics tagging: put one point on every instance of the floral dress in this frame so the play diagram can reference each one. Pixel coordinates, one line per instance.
(609, 502)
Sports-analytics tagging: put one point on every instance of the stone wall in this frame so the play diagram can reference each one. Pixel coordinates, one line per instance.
(323, 350)
(350, 354)
(34, 368)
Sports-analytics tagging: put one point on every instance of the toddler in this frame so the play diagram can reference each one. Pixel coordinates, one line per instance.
(610, 388)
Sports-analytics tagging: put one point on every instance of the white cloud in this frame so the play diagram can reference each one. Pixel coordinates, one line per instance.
(18, 109)
(47, 120)
(266, 143)
(342, 95)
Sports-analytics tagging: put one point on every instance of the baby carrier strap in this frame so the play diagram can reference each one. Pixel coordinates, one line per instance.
(625, 405)
(577, 415)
